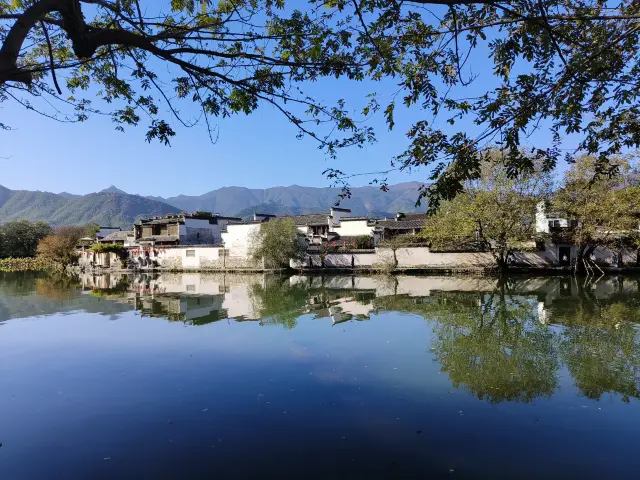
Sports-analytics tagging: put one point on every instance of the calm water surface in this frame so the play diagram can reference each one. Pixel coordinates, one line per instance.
(212, 376)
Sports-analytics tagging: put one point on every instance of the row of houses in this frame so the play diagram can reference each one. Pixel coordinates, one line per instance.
(223, 242)
(213, 229)
(213, 241)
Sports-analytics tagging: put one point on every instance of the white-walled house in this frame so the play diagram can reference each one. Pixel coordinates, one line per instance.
(402, 224)
(189, 229)
(124, 238)
(238, 238)
(547, 222)
(355, 227)
(320, 226)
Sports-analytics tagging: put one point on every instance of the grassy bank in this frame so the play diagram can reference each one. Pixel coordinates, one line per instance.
(37, 264)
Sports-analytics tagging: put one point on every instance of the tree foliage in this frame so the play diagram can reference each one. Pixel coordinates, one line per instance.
(60, 246)
(605, 208)
(19, 239)
(119, 250)
(142, 58)
(496, 212)
(568, 67)
(277, 242)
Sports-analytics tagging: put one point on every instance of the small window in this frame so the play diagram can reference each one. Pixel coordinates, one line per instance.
(191, 288)
(223, 252)
(191, 253)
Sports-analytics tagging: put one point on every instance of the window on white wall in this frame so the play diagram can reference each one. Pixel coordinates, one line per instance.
(190, 253)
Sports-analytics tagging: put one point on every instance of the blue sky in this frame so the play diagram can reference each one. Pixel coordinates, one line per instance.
(259, 150)
(256, 151)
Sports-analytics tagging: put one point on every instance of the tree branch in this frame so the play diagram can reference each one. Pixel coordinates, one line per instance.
(53, 70)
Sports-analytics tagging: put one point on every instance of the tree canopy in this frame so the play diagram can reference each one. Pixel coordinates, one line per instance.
(495, 212)
(568, 67)
(20, 238)
(605, 208)
(277, 242)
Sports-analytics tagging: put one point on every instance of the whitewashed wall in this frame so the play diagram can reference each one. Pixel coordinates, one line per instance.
(191, 258)
(353, 228)
(422, 257)
(238, 238)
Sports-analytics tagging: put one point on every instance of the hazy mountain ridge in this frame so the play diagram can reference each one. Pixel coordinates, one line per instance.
(106, 209)
(295, 198)
(114, 207)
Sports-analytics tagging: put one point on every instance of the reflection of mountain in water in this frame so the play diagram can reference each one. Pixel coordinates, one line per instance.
(501, 340)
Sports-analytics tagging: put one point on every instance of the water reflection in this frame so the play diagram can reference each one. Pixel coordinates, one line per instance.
(397, 377)
(500, 340)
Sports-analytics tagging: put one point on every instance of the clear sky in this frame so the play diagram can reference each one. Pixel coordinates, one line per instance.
(259, 150)
(256, 151)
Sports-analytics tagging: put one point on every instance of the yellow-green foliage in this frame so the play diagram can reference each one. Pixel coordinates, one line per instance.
(108, 248)
(28, 264)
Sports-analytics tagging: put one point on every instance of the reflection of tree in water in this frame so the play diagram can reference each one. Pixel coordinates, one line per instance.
(600, 343)
(492, 345)
(19, 283)
(278, 302)
(57, 286)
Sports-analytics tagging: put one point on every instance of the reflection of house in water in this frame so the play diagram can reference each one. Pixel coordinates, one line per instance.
(341, 306)
(193, 298)
(350, 308)
(204, 298)
(194, 310)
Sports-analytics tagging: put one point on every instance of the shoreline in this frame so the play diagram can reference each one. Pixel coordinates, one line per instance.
(471, 271)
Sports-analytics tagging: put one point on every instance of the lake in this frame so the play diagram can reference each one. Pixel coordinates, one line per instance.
(240, 376)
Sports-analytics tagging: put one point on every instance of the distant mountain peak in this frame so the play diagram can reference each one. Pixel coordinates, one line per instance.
(112, 189)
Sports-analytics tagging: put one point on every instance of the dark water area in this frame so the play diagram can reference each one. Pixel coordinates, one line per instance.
(232, 376)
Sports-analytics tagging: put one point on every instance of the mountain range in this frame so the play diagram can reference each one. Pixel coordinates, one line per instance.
(115, 207)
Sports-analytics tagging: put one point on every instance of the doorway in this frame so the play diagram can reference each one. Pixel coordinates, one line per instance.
(564, 256)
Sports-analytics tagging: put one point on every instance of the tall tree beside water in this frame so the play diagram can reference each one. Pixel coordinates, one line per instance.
(604, 204)
(277, 242)
(20, 238)
(494, 212)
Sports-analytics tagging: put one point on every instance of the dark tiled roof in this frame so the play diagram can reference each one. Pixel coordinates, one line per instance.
(317, 219)
(414, 216)
(160, 238)
(162, 221)
(402, 224)
(118, 236)
(181, 218)
(347, 219)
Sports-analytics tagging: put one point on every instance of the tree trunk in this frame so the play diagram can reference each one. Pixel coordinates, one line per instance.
(501, 261)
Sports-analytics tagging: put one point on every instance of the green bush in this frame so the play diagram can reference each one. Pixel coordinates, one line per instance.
(109, 248)
(28, 264)
(364, 241)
